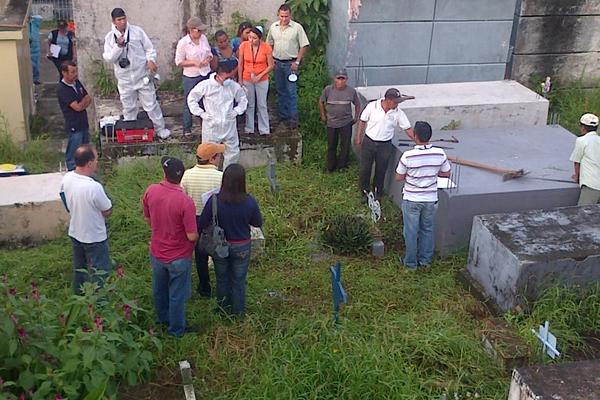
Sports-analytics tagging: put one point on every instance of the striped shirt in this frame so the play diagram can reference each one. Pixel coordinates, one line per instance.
(198, 180)
(421, 166)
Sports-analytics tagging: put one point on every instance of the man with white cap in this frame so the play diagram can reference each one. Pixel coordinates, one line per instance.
(376, 128)
(586, 159)
(131, 52)
(219, 123)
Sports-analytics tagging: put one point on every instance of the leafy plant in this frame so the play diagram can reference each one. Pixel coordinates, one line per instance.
(348, 234)
(314, 16)
(86, 344)
(237, 18)
(174, 85)
(105, 83)
(36, 155)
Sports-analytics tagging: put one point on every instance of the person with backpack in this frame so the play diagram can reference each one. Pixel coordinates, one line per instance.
(63, 37)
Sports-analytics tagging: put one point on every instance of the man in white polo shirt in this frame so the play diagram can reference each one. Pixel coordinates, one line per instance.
(420, 167)
(88, 205)
(586, 159)
(381, 117)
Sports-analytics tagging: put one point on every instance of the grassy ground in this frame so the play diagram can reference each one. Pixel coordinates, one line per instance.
(404, 335)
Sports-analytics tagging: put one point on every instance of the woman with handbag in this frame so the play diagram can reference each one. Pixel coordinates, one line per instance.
(236, 211)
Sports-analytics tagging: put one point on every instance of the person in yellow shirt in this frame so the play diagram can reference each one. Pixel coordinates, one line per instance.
(586, 159)
(198, 180)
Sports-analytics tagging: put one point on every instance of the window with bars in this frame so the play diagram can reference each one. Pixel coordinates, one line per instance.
(53, 10)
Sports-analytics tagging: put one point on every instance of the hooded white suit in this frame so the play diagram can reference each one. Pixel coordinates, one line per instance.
(219, 124)
(139, 50)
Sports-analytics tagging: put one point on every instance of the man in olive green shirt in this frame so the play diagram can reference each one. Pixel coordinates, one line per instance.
(289, 42)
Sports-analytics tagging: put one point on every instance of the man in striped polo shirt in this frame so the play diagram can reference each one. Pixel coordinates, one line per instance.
(201, 178)
(420, 167)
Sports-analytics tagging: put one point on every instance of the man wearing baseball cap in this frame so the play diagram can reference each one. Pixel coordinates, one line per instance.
(335, 106)
(201, 178)
(586, 159)
(376, 127)
(172, 216)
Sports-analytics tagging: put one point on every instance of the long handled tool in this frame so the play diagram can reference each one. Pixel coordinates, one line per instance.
(506, 173)
(452, 139)
(410, 145)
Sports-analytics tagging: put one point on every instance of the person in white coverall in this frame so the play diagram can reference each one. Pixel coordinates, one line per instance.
(131, 52)
(219, 123)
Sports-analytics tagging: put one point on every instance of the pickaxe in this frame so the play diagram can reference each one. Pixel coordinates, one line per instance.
(506, 173)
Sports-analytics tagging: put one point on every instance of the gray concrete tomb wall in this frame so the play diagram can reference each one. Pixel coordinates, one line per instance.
(514, 256)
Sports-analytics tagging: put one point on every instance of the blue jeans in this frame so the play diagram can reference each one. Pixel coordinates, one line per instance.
(287, 96)
(171, 288)
(188, 85)
(76, 139)
(418, 220)
(231, 278)
(91, 263)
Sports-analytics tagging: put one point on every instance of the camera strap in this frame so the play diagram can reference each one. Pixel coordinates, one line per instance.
(125, 44)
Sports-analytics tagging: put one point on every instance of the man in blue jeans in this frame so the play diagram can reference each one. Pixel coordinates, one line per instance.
(73, 100)
(172, 216)
(289, 42)
(420, 167)
(87, 205)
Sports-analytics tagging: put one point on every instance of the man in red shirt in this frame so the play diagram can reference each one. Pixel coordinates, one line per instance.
(172, 216)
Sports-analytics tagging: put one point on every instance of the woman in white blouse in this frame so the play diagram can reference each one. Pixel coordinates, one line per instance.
(193, 54)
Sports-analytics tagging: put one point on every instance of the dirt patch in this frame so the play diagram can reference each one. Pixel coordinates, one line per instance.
(167, 385)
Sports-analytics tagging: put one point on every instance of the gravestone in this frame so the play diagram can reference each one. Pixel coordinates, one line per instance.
(572, 381)
(514, 256)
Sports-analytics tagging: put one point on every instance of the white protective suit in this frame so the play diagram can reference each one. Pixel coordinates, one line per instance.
(131, 79)
(219, 124)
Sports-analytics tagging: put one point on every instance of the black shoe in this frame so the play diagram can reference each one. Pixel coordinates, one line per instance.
(204, 293)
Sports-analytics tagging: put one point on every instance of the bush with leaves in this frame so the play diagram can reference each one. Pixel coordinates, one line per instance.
(84, 345)
(347, 234)
(314, 16)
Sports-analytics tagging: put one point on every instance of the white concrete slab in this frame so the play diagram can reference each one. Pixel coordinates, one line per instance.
(474, 104)
(31, 209)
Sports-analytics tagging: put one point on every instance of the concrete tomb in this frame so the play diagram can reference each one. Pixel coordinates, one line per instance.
(543, 151)
(514, 256)
(31, 209)
(572, 381)
(472, 104)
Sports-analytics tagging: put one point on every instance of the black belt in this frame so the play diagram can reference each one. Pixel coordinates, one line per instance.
(378, 141)
(290, 60)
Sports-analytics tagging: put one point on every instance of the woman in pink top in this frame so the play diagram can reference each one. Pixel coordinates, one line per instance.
(194, 55)
(255, 63)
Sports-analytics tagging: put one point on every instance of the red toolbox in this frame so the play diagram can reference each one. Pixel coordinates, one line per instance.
(141, 130)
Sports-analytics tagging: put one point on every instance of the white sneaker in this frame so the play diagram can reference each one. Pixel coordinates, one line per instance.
(163, 133)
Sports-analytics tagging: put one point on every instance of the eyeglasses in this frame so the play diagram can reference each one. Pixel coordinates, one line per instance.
(342, 78)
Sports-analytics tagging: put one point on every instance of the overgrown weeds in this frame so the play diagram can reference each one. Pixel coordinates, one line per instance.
(35, 155)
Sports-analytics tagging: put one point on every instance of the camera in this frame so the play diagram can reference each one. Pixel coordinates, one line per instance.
(124, 62)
